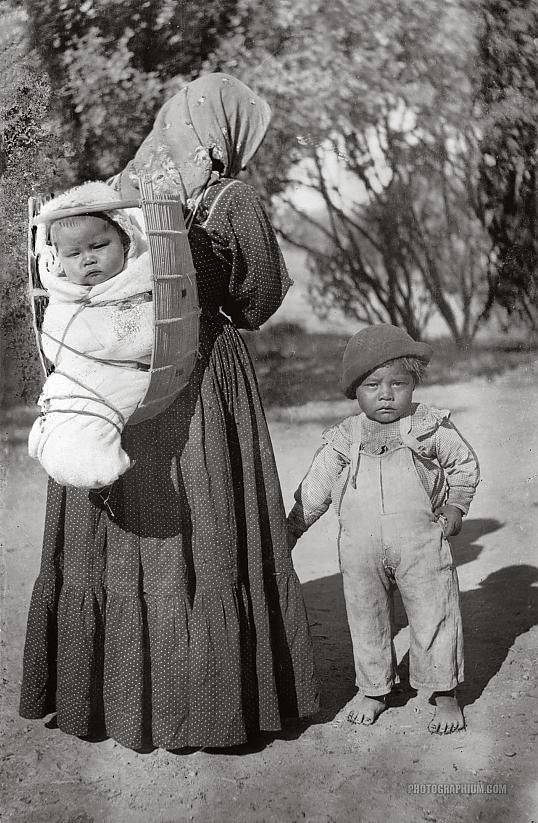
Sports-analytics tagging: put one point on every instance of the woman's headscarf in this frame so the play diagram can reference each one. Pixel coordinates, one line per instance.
(214, 118)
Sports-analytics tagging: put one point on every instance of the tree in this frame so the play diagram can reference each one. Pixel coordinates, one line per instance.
(508, 175)
(33, 158)
(112, 64)
(80, 84)
(375, 103)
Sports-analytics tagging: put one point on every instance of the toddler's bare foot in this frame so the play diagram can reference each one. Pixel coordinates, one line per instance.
(448, 716)
(364, 709)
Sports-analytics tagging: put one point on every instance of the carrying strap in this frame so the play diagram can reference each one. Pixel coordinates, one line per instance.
(93, 397)
(93, 394)
(120, 364)
(356, 442)
(217, 198)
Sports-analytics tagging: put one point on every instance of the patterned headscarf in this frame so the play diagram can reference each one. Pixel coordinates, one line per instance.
(216, 117)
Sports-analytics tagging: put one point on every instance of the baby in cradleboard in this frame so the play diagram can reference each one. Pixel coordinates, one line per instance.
(97, 332)
(401, 478)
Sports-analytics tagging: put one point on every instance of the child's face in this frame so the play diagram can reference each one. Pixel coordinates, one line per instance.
(90, 251)
(386, 394)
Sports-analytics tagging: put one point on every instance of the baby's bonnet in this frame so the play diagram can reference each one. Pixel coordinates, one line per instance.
(88, 194)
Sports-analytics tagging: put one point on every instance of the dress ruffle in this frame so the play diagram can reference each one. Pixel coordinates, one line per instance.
(160, 668)
(38, 691)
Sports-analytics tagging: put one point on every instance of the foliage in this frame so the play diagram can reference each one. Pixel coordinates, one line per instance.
(32, 159)
(509, 96)
(295, 368)
(113, 62)
(409, 194)
(375, 102)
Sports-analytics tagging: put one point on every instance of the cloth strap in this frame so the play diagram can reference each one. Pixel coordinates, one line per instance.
(217, 198)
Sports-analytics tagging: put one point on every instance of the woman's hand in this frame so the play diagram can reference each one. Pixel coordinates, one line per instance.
(451, 518)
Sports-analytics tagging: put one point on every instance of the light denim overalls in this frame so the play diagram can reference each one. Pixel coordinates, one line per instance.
(390, 537)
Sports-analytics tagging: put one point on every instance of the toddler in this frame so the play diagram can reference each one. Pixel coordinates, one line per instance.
(401, 478)
(97, 332)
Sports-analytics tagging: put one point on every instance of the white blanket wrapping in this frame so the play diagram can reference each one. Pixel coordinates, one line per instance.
(85, 404)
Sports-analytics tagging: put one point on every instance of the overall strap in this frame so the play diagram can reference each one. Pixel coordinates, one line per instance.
(356, 442)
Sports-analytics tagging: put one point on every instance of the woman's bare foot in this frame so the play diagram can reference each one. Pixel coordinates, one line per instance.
(364, 709)
(448, 716)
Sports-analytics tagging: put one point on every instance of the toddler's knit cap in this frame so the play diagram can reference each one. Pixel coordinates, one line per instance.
(369, 348)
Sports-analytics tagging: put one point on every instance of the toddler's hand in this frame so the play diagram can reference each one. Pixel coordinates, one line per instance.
(453, 519)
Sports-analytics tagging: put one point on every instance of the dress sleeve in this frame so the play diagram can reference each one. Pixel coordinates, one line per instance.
(259, 279)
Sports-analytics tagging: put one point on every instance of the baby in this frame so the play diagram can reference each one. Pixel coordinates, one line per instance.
(401, 478)
(97, 332)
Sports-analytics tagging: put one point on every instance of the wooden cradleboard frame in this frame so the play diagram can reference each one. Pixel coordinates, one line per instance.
(39, 297)
(176, 310)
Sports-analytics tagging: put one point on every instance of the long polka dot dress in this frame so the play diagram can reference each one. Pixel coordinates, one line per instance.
(172, 614)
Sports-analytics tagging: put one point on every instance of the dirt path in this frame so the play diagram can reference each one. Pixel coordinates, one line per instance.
(328, 771)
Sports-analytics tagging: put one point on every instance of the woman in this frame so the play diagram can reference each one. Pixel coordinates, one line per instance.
(206, 640)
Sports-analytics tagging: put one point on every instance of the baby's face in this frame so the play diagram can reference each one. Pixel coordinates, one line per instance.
(387, 393)
(90, 250)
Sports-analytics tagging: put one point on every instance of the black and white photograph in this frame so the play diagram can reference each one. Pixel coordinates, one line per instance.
(268, 453)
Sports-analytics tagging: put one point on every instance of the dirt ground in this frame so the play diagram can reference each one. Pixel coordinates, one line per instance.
(324, 771)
